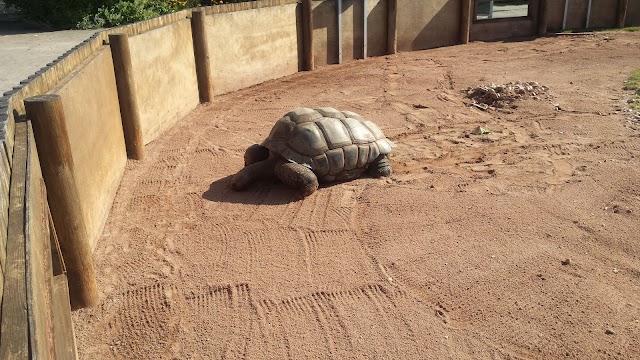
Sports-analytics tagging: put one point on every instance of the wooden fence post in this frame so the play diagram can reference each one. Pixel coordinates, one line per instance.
(201, 52)
(392, 27)
(307, 34)
(622, 12)
(465, 21)
(54, 150)
(127, 95)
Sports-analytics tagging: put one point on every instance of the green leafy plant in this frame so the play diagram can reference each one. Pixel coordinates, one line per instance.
(91, 14)
(633, 83)
(126, 12)
(55, 13)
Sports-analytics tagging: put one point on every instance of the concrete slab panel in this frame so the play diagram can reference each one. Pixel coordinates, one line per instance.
(252, 46)
(353, 16)
(577, 14)
(352, 30)
(555, 15)
(604, 14)
(377, 25)
(92, 114)
(325, 32)
(633, 14)
(165, 77)
(428, 24)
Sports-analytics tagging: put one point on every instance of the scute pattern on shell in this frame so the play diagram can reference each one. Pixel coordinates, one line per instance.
(328, 141)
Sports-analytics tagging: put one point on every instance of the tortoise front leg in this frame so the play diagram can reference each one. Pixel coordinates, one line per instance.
(380, 167)
(261, 170)
(297, 176)
(255, 153)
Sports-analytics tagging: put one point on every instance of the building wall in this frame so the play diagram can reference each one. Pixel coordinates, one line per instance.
(604, 14)
(577, 14)
(555, 14)
(633, 13)
(487, 30)
(428, 24)
(325, 32)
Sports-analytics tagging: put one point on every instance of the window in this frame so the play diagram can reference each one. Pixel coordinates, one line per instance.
(501, 9)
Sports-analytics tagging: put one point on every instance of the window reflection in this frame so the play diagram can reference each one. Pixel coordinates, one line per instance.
(500, 9)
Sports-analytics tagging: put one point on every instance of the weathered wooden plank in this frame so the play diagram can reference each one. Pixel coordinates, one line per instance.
(14, 331)
(56, 253)
(5, 178)
(65, 341)
(38, 258)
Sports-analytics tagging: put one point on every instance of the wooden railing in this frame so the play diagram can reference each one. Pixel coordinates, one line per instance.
(36, 315)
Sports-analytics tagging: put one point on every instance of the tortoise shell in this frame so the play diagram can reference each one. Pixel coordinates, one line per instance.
(333, 144)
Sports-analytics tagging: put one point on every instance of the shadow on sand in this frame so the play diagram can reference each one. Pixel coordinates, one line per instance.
(260, 193)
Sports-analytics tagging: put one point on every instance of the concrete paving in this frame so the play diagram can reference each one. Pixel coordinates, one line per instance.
(25, 48)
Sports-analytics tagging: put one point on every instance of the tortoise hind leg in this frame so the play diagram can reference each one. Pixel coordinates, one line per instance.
(255, 153)
(249, 174)
(297, 177)
(380, 167)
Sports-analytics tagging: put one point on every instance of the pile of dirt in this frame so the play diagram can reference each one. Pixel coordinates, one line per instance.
(499, 96)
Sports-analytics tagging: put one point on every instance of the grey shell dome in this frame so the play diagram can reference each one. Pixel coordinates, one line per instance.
(328, 141)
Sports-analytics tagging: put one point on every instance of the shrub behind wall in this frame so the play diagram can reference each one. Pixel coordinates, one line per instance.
(90, 14)
(58, 14)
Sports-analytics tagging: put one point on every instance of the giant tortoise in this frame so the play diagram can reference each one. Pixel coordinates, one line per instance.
(308, 146)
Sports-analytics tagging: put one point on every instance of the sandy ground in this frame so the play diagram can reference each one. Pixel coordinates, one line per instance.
(458, 255)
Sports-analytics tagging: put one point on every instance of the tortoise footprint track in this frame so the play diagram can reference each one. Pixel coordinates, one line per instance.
(151, 313)
(442, 313)
(227, 327)
(325, 209)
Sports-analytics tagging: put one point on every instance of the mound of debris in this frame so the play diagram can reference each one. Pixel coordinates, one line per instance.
(499, 96)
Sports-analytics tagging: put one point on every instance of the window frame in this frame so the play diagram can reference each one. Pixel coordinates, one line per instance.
(499, 20)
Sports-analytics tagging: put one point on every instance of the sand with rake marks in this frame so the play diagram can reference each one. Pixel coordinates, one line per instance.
(458, 255)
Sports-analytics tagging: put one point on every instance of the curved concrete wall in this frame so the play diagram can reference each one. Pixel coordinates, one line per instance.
(164, 74)
(252, 46)
(94, 126)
